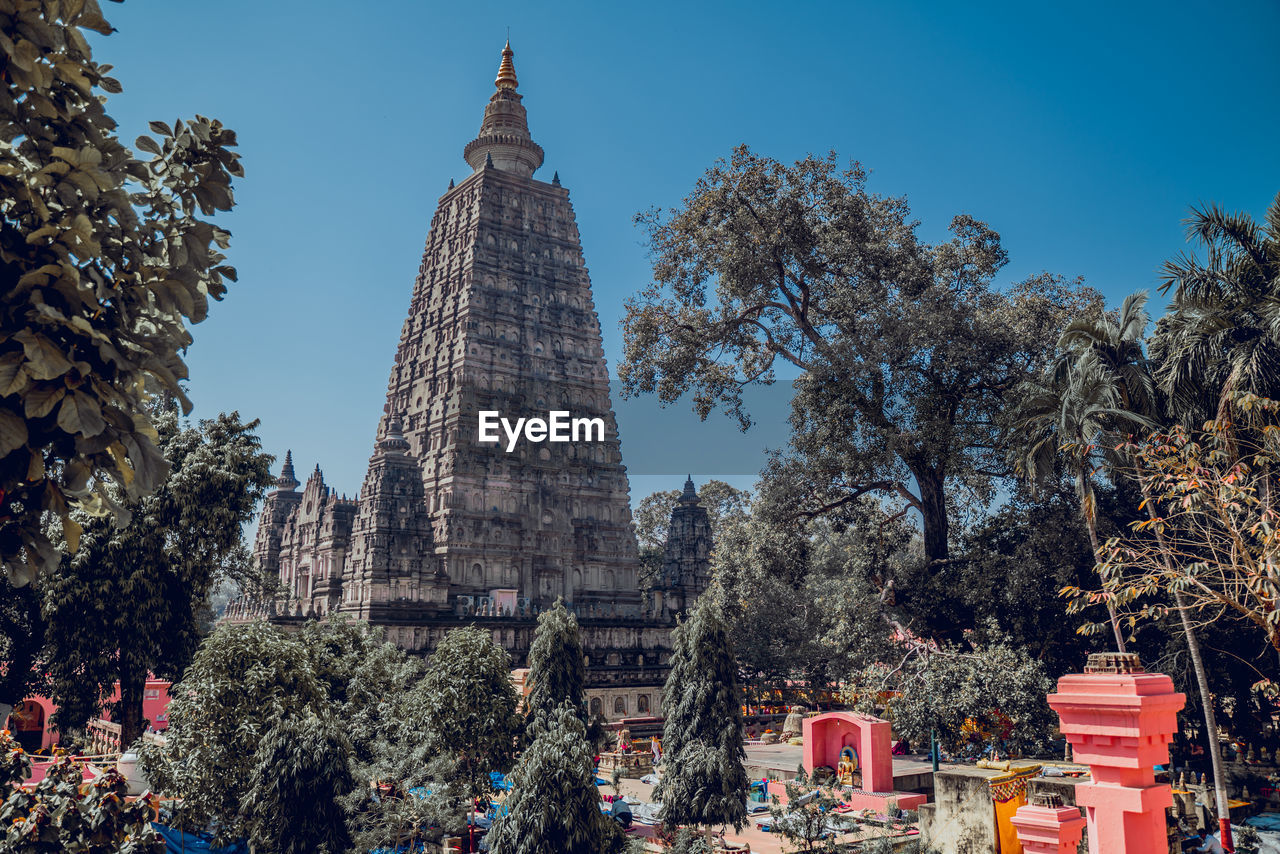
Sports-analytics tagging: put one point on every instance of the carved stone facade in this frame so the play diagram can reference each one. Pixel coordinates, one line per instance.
(449, 530)
(686, 564)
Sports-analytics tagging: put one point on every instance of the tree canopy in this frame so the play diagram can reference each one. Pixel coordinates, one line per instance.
(129, 600)
(554, 804)
(104, 259)
(906, 352)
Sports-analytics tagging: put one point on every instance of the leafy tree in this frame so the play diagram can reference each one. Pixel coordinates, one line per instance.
(1219, 334)
(129, 601)
(554, 804)
(103, 261)
(705, 782)
(367, 680)
(907, 354)
(244, 680)
(1071, 415)
(992, 695)
(1211, 537)
(653, 515)
(803, 605)
(63, 813)
(470, 708)
(1013, 564)
(557, 673)
(300, 774)
(22, 629)
(805, 819)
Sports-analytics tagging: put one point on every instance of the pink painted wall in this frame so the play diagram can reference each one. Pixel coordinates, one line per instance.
(827, 734)
(155, 703)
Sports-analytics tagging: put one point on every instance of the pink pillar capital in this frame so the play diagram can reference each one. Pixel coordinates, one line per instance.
(1048, 828)
(1119, 721)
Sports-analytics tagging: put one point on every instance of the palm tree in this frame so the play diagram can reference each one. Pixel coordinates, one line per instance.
(1116, 347)
(1065, 417)
(1222, 331)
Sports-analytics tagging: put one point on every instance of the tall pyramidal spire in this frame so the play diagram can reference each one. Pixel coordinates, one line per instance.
(504, 132)
(501, 320)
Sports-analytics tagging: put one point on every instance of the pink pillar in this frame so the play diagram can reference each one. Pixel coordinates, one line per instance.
(1045, 826)
(1119, 721)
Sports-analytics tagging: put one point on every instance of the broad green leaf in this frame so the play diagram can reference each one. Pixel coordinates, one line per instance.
(80, 413)
(13, 432)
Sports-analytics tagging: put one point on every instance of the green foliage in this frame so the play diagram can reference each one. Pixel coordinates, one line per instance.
(104, 260)
(554, 804)
(22, 630)
(1012, 565)
(300, 773)
(990, 696)
(690, 841)
(130, 600)
(368, 680)
(805, 819)
(243, 681)
(653, 515)
(62, 813)
(470, 709)
(705, 781)
(908, 353)
(1219, 336)
(802, 604)
(556, 671)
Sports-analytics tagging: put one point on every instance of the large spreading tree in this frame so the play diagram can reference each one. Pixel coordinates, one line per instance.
(104, 259)
(906, 352)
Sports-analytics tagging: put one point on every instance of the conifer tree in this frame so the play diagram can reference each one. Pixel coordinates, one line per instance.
(556, 671)
(705, 782)
(554, 804)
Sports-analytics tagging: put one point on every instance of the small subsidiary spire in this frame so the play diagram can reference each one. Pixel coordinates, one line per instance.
(507, 70)
(287, 480)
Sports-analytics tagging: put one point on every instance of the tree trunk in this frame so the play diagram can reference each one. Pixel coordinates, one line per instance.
(933, 510)
(1202, 681)
(1210, 722)
(133, 685)
(1091, 523)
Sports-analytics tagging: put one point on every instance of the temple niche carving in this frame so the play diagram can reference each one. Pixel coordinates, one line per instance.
(448, 530)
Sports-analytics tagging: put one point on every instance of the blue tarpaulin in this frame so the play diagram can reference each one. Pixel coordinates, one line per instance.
(499, 781)
(177, 842)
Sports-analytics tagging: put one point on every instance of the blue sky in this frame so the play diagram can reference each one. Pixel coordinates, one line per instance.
(1081, 132)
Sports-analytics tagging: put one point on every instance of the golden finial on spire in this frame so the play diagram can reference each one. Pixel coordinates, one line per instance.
(507, 71)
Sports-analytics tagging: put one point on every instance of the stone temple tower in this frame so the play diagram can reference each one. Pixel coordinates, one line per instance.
(502, 320)
(686, 564)
(451, 530)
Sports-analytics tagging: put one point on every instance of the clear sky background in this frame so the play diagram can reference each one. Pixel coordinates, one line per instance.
(1081, 132)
